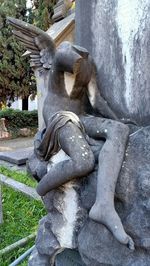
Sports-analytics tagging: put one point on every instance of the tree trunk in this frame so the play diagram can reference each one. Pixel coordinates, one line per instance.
(25, 103)
(116, 33)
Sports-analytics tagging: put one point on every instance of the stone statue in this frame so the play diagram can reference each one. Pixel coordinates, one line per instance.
(88, 136)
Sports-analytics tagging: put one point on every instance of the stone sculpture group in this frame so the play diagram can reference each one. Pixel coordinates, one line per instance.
(79, 122)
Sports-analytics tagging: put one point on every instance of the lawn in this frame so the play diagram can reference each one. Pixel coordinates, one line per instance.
(21, 216)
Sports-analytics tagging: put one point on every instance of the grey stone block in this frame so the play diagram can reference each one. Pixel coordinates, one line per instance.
(18, 157)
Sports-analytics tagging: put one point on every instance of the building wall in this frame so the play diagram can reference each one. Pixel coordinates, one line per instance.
(32, 105)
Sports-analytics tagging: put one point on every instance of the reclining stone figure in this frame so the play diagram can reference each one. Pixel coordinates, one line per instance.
(70, 127)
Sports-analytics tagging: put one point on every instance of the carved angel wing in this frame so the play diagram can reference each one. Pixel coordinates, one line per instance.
(39, 44)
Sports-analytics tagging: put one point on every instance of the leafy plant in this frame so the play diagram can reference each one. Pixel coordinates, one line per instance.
(16, 77)
(19, 119)
(43, 12)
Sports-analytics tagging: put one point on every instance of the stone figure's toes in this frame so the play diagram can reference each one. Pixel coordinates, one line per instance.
(130, 243)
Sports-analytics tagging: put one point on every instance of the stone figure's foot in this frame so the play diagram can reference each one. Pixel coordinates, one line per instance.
(109, 217)
(130, 243)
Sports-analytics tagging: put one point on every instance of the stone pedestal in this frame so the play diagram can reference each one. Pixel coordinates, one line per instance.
(4, 134)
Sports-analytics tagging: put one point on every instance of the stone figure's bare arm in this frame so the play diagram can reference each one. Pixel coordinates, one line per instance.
(97, 101)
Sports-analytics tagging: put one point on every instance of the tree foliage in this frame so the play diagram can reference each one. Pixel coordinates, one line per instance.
(43, 12)
(16, 78)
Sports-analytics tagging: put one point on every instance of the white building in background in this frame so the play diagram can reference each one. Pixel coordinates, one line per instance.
(32, 105)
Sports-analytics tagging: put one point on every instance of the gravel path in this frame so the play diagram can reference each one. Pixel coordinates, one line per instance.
(12, 144)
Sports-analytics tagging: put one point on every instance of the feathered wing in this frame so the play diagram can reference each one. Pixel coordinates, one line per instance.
(38, 43)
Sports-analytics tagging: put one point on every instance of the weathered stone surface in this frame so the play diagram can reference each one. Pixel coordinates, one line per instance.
(46, 242)
(116, 33)
(38, 260)
(94, 242)
(61, 10)
(66, 215)
(18, 157)
(4, 134)
(69, 258)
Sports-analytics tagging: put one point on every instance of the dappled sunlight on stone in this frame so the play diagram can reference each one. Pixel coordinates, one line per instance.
(5, 148)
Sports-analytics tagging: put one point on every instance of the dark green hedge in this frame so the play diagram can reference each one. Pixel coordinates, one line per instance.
(20, 119)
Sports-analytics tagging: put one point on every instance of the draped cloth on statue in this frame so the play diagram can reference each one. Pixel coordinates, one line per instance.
(46, 142)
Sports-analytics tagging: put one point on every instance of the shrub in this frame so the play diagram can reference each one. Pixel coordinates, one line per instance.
(16, 119)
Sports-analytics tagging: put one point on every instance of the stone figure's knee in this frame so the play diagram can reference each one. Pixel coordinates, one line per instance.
(123, 130)
(118, 130)
(90, 161)
(85, 163)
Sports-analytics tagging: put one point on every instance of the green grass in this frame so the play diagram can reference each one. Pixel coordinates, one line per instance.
(18, 176)
(21, 216)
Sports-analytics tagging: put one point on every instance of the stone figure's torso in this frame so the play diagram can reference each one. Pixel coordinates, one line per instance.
(62, 96)
(70, 74)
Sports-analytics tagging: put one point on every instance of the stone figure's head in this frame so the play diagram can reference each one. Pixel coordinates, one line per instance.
(74, 59)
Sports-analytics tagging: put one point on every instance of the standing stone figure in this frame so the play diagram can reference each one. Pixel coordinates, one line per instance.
(72, 83)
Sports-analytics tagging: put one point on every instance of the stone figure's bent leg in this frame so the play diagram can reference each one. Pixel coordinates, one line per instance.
(110, 162)
(81, 161)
